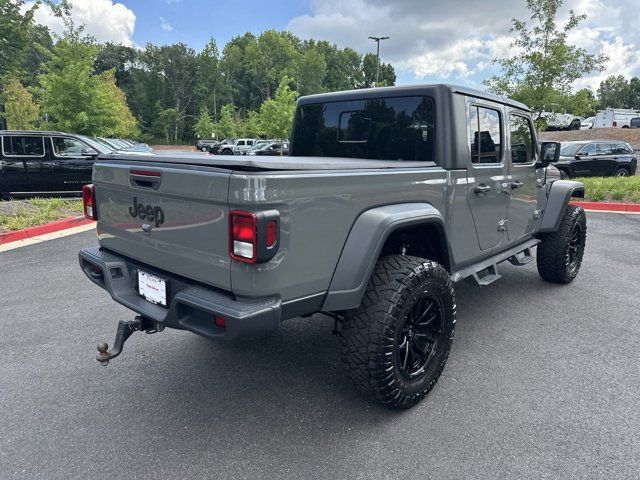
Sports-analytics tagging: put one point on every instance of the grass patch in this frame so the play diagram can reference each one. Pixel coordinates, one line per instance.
(612, 189)
(19, 214)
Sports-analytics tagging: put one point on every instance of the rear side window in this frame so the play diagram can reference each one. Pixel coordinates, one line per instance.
(605, 149)
(396, 128)
(621, 149)
(485, 135)
(589, 149)
(522, 146)
(23, 146)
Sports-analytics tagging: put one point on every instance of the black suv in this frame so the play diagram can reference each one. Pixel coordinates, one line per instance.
(600, 158)
(41, 163)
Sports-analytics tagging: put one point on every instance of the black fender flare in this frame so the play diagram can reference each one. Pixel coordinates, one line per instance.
(364, 244)
(559, 194)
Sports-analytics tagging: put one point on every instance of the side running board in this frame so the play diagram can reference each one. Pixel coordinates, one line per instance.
(485, 272)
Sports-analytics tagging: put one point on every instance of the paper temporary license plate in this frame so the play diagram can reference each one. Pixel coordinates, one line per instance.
(152, 288)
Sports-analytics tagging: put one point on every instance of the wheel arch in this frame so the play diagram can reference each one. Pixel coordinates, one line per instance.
(378, 231)
(560, 192)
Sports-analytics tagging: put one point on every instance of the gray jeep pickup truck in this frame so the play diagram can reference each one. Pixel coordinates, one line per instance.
(389, 197)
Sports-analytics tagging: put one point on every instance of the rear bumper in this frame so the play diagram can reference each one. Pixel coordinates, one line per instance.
(190, 306)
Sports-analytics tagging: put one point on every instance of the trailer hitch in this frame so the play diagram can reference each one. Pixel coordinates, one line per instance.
(125, 329)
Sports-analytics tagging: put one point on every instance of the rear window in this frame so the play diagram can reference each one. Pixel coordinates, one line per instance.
(23, 146)
(397, 128)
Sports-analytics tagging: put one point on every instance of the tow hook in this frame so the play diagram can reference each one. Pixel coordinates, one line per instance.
(125, 329)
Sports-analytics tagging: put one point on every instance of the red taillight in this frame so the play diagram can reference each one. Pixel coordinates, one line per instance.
(89, 202)
(219, 321)
(243, 236)
(271, 236)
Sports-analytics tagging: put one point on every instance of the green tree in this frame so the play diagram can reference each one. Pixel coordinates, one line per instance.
(176, 66)
(309, 71)
(252, 125)
(15, 35)
(387, 75)
(542, 73)
(164, 123)
(614, 92)
(21, 112)
(204, 127)
(76, 99)
(226, 126)
(633, 97)
(583, 103)
(276, 114)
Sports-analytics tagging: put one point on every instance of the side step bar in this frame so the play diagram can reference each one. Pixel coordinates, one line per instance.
(486, 271)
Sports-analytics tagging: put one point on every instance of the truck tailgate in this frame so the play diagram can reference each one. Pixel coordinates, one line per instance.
(168, 216)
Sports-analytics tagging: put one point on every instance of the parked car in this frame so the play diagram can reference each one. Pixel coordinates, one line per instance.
(45, 162)
(271, 148)
(615, 118)
(125, 145)
(587, 123)
(236, 146)
(204, 144)
(597, 158)
(561, 121)
(635, 122)
(390, 197)
(214, 149)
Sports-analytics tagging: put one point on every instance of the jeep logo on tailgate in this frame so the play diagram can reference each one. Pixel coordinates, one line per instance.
(149, 212)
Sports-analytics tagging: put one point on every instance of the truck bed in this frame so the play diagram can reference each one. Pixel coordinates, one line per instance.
(249, 162)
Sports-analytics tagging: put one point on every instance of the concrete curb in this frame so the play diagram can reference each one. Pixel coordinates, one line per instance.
(610, 206)
(30, 232)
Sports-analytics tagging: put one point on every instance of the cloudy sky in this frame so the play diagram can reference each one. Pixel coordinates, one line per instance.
(431, 40)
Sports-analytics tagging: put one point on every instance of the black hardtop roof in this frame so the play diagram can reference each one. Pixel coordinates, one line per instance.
(407, 90)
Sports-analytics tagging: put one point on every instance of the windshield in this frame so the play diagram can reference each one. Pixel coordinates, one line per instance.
(570, 149)
(99, 146)
(396, 128)
(259, 145)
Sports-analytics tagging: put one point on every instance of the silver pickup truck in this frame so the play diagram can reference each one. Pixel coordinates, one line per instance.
(389, 197)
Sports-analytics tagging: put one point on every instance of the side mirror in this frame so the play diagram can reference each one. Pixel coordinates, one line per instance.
(549, 153)
(88, 152)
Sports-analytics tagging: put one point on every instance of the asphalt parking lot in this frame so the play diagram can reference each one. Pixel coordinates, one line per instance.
(543, 382)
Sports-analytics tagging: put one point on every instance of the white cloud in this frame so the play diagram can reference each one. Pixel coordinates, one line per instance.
(456, 40)
(166, 26)
(105, 20)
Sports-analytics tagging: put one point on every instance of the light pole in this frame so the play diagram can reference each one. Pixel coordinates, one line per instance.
(377, 40)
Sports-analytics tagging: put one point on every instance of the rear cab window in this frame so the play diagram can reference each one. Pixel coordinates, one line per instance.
(23, 146)
(391, 128)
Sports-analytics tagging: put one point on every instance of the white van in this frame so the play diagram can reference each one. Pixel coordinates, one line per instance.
(615, 118)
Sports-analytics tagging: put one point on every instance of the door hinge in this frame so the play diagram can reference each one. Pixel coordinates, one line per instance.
(502, 225)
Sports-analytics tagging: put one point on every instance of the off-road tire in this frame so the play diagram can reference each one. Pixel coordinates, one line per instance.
(370, 334)
(559, 256)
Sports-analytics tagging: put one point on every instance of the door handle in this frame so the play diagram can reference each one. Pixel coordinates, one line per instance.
(482, 189)
(516, 184)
